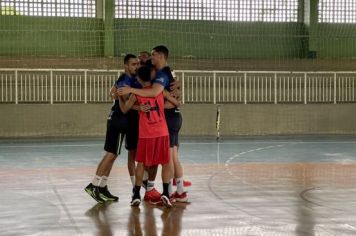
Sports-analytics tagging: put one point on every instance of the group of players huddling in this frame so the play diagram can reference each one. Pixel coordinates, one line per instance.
(145, 110)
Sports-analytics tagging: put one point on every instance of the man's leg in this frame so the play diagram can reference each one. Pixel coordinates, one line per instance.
(105, 165)
(151, 194)
(180, 195)
(131, 165)
(178, 169)
(136, 197)
(97, 189)
(149, 175)
(166, 176)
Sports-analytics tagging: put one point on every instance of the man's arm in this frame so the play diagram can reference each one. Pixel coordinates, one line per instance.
(126, 106)
(124, 98)
(143, 108)
(113, 93)
(171, 99)
(151, 92)
(175, 85)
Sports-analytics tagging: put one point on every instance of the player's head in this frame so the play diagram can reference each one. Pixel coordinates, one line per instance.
(130, 64)
(161, 49)
(159, 55)
(143, 57)
(144, 73)
(152, 68)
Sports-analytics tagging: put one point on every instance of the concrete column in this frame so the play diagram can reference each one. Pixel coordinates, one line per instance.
(312, 24)
(108, 16)
(99, 9)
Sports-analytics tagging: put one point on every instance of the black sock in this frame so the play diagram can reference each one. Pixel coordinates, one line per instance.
(165, 189)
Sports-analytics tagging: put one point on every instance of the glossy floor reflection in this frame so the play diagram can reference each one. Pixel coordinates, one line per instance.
(264, 186)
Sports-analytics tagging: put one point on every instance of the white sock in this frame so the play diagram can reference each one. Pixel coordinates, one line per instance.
(145, 175)
(180, 186)
(150, 185)
(104, 181)
(96, 180)
(170, 187)
(132, 178)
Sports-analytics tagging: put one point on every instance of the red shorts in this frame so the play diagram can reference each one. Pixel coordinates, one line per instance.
(153, 151)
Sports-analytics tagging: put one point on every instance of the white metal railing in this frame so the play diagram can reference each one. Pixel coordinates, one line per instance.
(268, 86)
(92, 86)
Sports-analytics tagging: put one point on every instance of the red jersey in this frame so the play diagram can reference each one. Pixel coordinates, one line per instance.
(153, 123)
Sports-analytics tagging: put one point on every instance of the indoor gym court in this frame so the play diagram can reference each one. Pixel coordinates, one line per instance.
(245, 186)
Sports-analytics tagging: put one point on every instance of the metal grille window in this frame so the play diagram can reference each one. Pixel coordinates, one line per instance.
(218, 10)
(68, 8)
(331, 11)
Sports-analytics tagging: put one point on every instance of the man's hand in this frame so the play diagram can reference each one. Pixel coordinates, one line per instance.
(145, 107)
(115, 95)
(175, 85)
(176, 94)
(124, 90)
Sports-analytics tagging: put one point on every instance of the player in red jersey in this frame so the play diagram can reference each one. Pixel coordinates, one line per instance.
(153, 144)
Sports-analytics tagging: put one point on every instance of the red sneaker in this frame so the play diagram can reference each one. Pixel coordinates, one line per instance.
(186, 183)
(152, 196)
(183, 197)
(159, 201)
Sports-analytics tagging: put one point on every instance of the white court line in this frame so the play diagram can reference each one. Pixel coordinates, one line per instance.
(227, 168)
(228, 161)
(276, 141)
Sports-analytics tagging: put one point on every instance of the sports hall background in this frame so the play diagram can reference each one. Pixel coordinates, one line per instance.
(307, 43)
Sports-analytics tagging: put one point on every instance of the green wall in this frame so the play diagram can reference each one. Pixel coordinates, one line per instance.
(204, 39)
(335, 41)
(107, 37)
(50, 36)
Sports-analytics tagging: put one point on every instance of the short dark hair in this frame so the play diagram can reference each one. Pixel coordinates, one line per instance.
(144, 73)
(128, 57)
(145, 52)
(149, 64)
(161, 49)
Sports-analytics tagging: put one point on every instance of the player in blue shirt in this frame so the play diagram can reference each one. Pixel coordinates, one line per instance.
(117, 126)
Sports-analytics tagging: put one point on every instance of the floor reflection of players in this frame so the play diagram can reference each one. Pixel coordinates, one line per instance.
(98, 215)
(150, 221)
(134, 226)
(171, 219)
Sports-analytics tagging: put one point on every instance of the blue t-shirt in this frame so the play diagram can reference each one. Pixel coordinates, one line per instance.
(124, 79)
(134, 83)
(163, 79)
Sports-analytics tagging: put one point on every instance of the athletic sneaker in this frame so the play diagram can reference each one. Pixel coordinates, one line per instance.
(186, 183)
(136, 200)
(106, 195)
(159, 202)
(152, 196)
(183, 197)
(93, 191)
(165, 200)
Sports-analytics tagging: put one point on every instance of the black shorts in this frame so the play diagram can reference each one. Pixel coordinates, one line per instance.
(132, 132)
(115, 132)
(174, 123)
